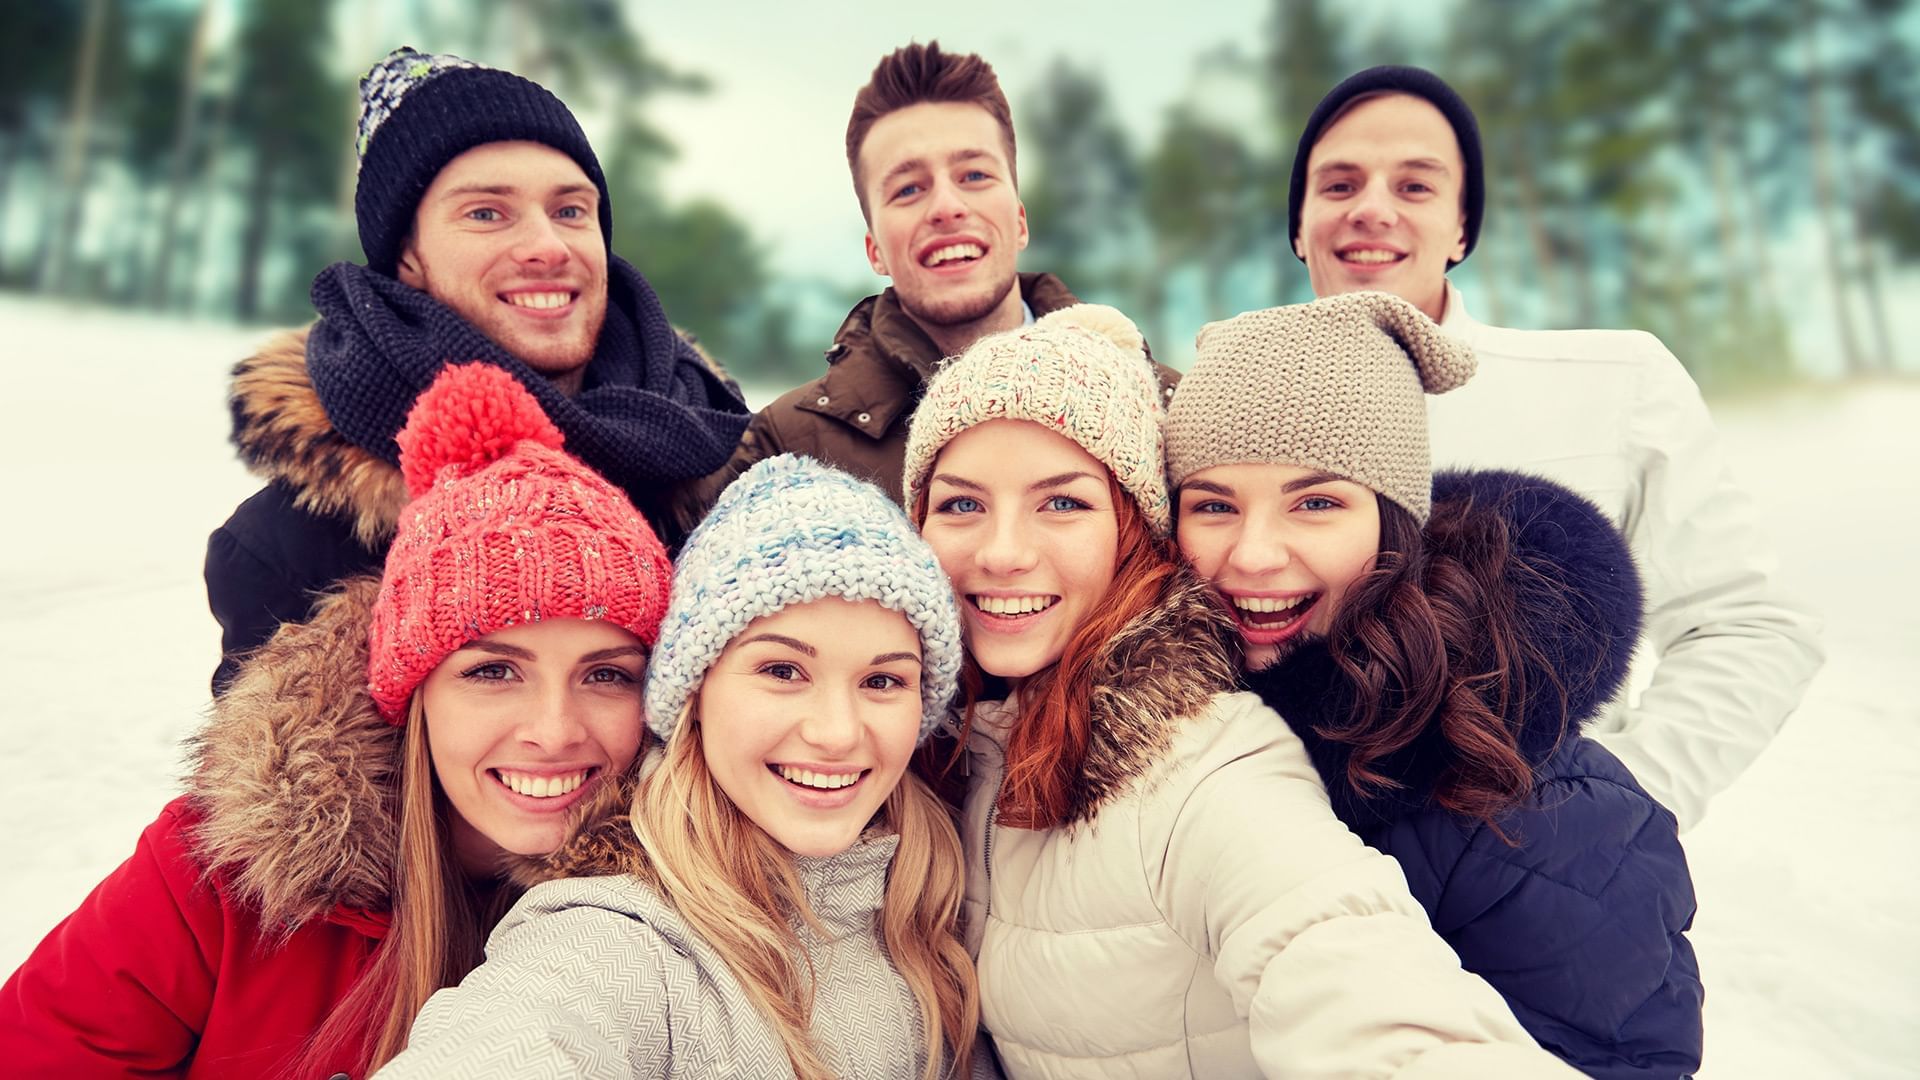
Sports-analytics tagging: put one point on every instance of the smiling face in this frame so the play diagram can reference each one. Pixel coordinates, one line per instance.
(808, 719)
(1282, 545)
(1023, 522)
(1382, 208)
(943, 219)
(523, 723)
(508, 236)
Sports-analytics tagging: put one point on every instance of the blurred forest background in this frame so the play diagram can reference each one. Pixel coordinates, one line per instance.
(1740, 177)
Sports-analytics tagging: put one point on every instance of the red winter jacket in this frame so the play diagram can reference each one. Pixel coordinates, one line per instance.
(162, 972)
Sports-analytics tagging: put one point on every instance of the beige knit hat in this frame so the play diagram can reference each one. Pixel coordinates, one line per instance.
(1335, 384)
(1081, 371)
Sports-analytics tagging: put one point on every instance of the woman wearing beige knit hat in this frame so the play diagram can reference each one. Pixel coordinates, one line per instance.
(1127, 901)
(1436, 642)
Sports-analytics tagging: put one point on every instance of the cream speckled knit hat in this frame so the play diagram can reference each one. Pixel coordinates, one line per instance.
(1337, 384)
(1082, 372)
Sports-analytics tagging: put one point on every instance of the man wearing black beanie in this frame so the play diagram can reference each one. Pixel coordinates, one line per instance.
(1388, 193)
(486, 223)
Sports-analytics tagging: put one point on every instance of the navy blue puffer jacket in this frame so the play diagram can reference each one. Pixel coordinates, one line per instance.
(1579, 922)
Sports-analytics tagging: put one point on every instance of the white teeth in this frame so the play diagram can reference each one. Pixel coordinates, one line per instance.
(1012, 605)
(1261, 605)
(823, 781)
(541, 787)
(954, 251)
(1371, 255)
(540, 300)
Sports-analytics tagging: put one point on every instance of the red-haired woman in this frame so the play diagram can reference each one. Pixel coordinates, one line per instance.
(1436, 642)
(1158, 885)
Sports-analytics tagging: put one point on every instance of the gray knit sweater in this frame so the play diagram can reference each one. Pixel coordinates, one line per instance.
(600, 977)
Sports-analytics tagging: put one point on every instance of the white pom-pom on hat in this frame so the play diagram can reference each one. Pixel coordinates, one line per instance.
(1099, 319)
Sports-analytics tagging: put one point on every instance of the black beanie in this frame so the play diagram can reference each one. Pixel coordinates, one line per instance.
(1393, 79)
(420, 111)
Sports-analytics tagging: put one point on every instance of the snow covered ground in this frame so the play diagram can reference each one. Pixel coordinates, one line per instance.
(114, 428)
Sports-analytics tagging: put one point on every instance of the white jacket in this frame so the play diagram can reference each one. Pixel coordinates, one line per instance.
(1205, 914)
(1612, 414)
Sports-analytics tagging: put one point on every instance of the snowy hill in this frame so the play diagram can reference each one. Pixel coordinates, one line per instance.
(115, 426)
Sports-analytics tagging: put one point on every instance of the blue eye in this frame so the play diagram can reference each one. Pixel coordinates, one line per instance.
(485, 213)
(973, 175)
(909, 189)
(571, 212)
(1061, 504)
(959, 504)
(1319, 503)
(1211, 506)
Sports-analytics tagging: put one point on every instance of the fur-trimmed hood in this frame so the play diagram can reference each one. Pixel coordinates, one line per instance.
(282, 433)
(296, 779)
(1579, 601)
(1163, 668)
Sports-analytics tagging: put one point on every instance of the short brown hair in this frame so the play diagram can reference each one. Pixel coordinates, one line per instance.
(914, 75)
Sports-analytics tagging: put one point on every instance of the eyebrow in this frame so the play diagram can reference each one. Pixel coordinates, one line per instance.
(781, 639)
(913, 164)
(1051, 481)
(510, 189)
(1432, 165)
(888, 658)
(614, 653)
(1310, 480)
(518, 653)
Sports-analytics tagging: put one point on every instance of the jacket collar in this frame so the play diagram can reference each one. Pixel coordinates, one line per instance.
(1162, 668)
(881, 359)
(283, 434)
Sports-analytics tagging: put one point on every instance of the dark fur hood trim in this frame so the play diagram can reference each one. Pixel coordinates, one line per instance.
(1558, 537)
(283, 433)
(296, 777)
(1161, 669)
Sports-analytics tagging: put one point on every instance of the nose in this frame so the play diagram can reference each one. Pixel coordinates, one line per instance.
(538, 243)
(1008, 547)
(945, 207)
(554, 722)
(1373, 207)
(1259, 550)
(830, 724)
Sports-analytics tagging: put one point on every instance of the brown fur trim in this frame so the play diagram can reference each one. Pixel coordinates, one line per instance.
(1161, 669)
(284, 434)
(295, 774)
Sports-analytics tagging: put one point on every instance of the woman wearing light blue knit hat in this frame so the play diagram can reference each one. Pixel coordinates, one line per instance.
(783, 897)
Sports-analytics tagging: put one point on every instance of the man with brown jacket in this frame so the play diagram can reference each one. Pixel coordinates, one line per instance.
(931, 148)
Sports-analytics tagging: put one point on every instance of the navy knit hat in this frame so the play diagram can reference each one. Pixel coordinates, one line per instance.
(1392, 79)
(419, 111)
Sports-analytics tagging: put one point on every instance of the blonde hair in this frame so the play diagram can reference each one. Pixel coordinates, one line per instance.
(736, 887)
(437, 931)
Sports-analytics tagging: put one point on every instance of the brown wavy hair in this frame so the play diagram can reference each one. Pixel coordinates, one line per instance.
(1431, 637)
(918, 74)
(1047, 743)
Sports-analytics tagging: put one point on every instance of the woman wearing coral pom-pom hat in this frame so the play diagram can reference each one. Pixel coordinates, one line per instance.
(1158, 885)
(380, 783)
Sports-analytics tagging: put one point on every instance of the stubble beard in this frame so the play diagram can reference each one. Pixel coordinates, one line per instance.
(955, 312)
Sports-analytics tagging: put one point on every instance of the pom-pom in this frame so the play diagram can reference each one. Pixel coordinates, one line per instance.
(1100, 319)
(472, 415)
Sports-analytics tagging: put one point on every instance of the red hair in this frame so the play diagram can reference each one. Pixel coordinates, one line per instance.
(1047, 743)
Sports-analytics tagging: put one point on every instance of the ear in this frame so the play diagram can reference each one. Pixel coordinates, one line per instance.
(1021, 219)
(410, 270)
(1460, 245)
(1301, 252)
(875, 259)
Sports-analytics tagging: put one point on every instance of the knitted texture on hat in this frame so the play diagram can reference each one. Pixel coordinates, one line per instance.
(791, 531)
(1337, 384)
(505, 528)
(1082, 372)
(1395, 79)
(420, 111)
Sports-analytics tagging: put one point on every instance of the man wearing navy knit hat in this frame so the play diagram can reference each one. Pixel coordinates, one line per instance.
(1388, 193)
(486, 222)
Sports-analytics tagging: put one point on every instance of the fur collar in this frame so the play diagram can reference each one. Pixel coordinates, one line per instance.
(1161, 669)
(1558, 536)
(283, 434)
(296, 777)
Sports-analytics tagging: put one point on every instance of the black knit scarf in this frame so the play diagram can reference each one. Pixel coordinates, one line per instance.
(649, 412)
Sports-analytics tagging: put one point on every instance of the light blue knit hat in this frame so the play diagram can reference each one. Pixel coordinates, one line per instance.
(790, 531)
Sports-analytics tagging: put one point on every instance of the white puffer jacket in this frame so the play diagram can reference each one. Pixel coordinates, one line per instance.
(1204, 914)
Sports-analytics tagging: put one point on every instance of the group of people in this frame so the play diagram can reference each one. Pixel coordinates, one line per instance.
(998, 703)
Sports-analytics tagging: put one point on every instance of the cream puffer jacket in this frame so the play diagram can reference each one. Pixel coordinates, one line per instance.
(1203, 913)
